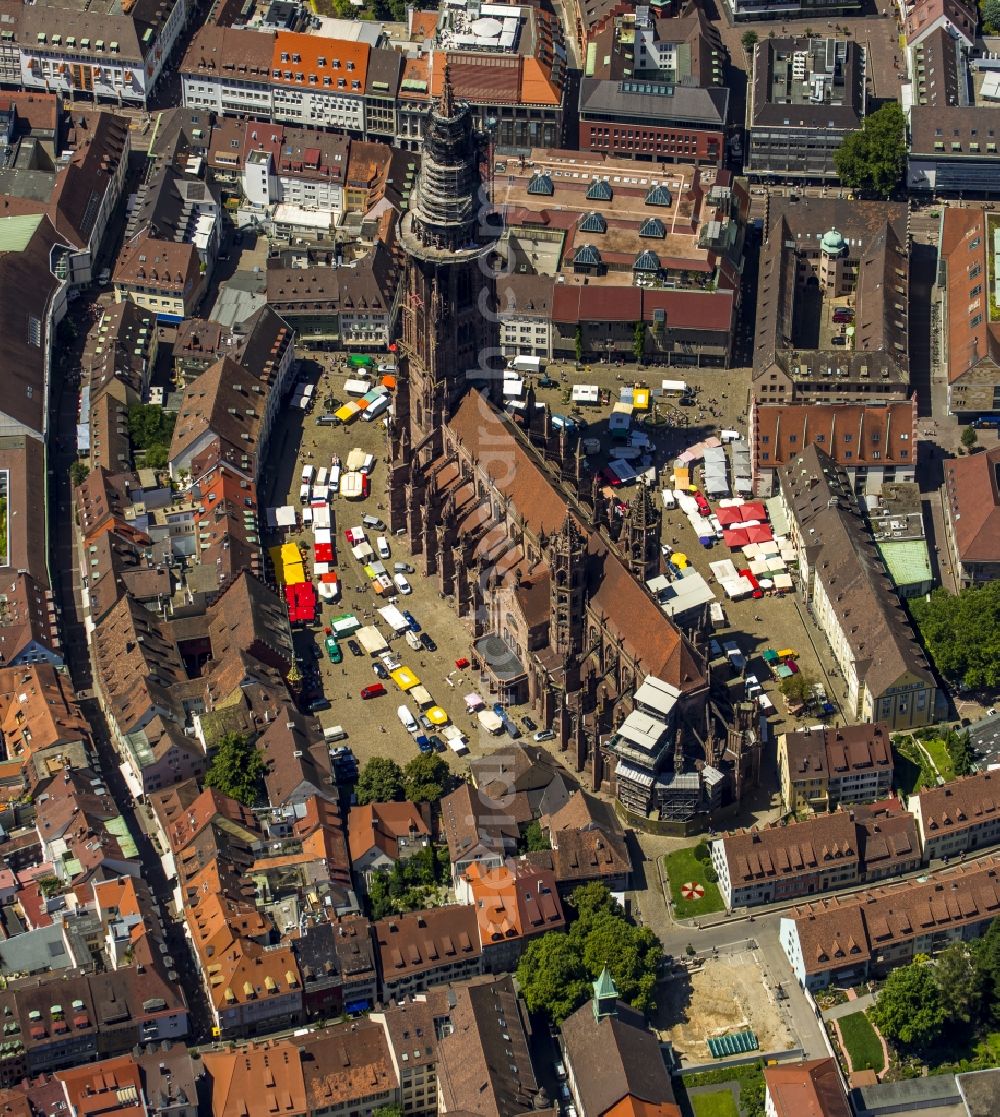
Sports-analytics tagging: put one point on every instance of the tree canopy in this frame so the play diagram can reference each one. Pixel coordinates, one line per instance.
(380, 781)
(799, 687)
(557, 969)
(962, 633)
(872, 159)
(237, 769)
(909, 1007)
(991, 16)
(149, 425)
(959, 982)
(425, 779)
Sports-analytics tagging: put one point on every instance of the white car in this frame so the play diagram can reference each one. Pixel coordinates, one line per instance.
(402, 584)
(382, 546)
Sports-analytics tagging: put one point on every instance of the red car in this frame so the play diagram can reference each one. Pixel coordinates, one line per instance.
(703, 506)
(375, 690)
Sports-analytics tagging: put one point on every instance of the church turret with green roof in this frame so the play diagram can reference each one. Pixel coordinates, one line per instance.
(605, 1000)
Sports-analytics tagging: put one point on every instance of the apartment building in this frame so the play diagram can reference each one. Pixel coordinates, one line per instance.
(844, 940)
(821, 854)
(852, 600)
(775, 863)
(875, 444)
(958, 817)
(426, 948)
(806, 96)
(809, 1088)
(826, 766)
(970, 328)
(105, 51)
(972, 495)
(165, 277)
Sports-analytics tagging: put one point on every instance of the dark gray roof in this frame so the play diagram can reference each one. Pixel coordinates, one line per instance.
(770, 113)
(980, 1090)
(385, 70)
(621, 100)
(614, 1057)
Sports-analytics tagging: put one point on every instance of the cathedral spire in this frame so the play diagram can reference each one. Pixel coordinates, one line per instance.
(446, 102)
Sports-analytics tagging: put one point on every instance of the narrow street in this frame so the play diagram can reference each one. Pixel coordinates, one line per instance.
(65, 585)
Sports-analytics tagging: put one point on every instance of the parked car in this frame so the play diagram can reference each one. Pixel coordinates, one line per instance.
(382, 546)
(426, 722)
(373, 690)
(427, 643)
(411, 620)
(838, 339)
(318, 704)
(380, 671)
(355, 648)
(436, 742)
(402, 584)
(529, 723)
(544, 735)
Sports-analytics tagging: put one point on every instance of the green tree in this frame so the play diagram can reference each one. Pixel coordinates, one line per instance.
(799, 687)
(991, 16)
(237, 769)
(632, 954)
(960, 752)
(590, 901)
(701, 851)
(909, 1006)
(578, 343)
(156, 457)
(987, 956)
(78, 472)
(873, 157)
(552, 976)
(149, 425)
(599, 936)
(535, 838)
(389, 1111)
(426, 778)
(962, 633)
(969, 436)
(959, 982)
(380, 781)
(750, 40)
(639, 342)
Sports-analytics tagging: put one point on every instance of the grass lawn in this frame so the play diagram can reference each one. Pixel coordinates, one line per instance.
(912, 772)
(720, 1104)
(682, 866)
(861, 1042)
(939, 754)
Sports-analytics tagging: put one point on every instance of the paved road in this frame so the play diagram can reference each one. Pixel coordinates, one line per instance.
(64, 569)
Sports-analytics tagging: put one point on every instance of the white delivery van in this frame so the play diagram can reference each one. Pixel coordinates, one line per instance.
(305, 493)
(335, 733)
(373, 410)
(321, 475)
(408, 720)
(307, 475)
(335, 479)
(413, 639)
(526, 364)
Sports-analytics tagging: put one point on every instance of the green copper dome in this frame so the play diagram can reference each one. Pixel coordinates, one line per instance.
(833, 242)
